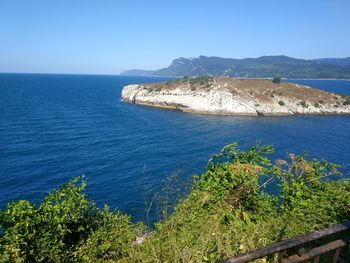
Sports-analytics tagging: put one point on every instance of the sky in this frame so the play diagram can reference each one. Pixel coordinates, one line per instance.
(107, 37)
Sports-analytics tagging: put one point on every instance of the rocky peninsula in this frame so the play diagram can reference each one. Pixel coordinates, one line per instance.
(228, 96)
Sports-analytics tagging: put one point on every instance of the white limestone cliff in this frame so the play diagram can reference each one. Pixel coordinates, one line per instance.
(221, 100)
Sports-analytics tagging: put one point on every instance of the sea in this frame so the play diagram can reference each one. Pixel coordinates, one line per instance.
(56, 127)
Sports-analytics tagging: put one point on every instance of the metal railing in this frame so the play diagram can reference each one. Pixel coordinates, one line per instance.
(303, 254)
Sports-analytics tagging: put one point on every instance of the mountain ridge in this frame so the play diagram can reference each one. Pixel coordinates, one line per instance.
(261, 67)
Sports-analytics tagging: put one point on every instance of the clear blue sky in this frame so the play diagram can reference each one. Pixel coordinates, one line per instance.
(106, 37)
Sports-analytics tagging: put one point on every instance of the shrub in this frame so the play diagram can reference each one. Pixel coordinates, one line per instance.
(281, 103)
(346, 102)
(111, 239)
(233, 92)
(276, 79)
(303, 104)
(228, 211)
(201, 80)
(64, 220)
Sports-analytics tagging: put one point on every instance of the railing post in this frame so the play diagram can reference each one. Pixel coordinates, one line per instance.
(281, 247)
(336, 255)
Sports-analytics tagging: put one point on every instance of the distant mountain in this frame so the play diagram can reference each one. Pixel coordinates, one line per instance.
(261, 67)
(334, 61)
(138, 72)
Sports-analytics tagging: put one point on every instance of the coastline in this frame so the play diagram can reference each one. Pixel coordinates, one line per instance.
(237, 97)
(208, 113)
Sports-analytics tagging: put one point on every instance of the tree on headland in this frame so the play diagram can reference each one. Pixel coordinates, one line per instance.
(276, 79)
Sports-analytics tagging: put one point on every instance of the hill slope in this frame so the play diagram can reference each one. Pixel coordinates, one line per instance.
(261, 67)
(227, 211)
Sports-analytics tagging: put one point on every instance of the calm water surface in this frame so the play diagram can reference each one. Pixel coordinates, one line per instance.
(55, 127)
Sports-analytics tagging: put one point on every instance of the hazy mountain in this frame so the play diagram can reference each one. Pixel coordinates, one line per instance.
(334, 61)
(138, 72)
(261, 67)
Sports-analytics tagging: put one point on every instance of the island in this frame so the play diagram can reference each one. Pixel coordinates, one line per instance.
(229, 96)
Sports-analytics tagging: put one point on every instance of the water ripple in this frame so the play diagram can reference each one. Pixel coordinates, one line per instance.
(55, 127)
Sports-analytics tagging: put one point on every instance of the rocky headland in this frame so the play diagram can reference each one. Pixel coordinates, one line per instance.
(228, 96)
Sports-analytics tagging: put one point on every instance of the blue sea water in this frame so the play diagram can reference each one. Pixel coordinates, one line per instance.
(55, 127)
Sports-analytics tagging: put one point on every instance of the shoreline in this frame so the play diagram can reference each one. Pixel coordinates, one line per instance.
(237, 97)
(227, 114)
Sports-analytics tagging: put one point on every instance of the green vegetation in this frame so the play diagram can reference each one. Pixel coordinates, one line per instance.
(203, 81)
(276, 80)
(281, 103)
(262, 67)
(303, 104)
(194, 82)
(233, 92)
(227, 212)
(347, 101)
(66, 226)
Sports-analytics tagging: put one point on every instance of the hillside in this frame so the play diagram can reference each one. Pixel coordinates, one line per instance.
(227, 211)
(261, 67)
(228, 96)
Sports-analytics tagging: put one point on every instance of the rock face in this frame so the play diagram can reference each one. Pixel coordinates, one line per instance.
(227, 96)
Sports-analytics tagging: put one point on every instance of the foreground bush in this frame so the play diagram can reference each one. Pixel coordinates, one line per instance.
(226, 213)
(66, 226)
